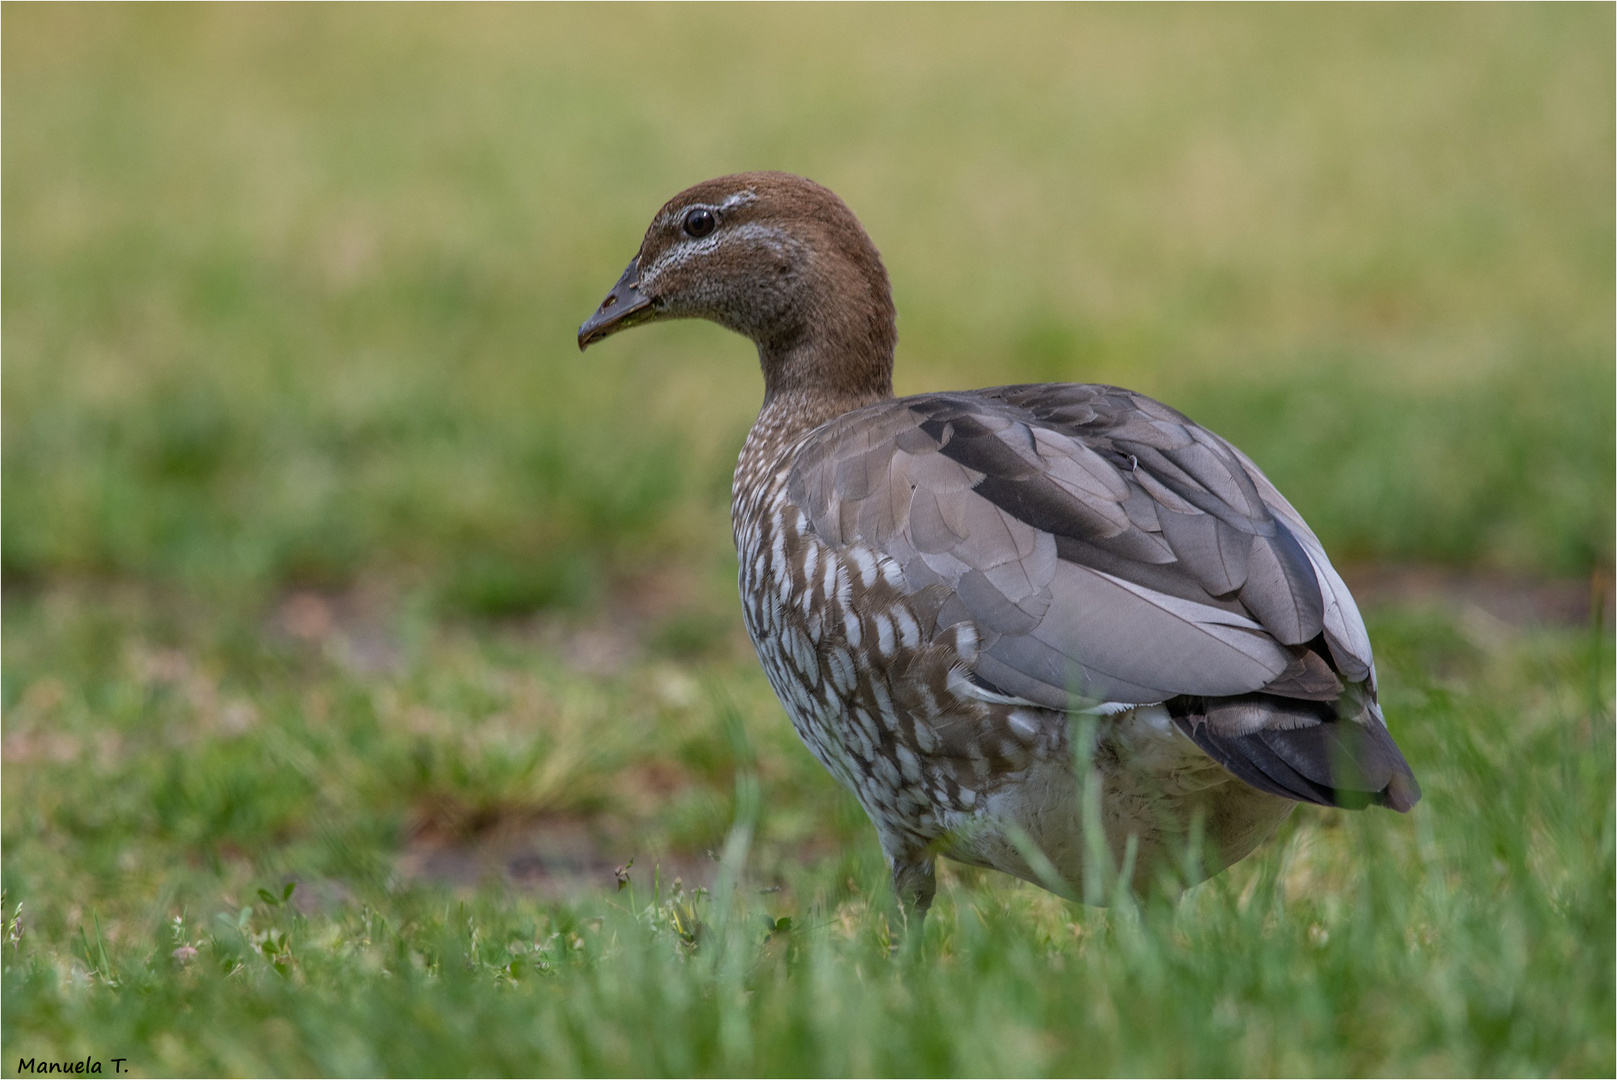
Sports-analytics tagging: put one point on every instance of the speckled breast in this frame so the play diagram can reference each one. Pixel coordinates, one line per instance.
(867, 687)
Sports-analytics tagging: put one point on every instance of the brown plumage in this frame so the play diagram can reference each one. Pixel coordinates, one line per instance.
(947, 590)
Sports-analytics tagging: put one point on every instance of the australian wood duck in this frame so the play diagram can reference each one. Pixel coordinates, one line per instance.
(1015, 622)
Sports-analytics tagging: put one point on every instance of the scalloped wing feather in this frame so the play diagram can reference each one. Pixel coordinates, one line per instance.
(1102, 543)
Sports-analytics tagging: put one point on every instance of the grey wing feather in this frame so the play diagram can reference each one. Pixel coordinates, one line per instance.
(1104, 545)
(1344, 627)
(1106, 549)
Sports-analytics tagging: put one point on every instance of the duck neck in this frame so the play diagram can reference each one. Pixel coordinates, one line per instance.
(838, 357)
(823, 360)
(796, 405)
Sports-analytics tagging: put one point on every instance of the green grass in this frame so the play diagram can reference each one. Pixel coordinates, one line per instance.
(328, 559)
(169, 773)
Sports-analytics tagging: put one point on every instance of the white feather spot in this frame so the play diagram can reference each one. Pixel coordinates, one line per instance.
(777, 554)
(884, 701)
(892, 574)
(841, 665)
(884, 636)
(1024, 724)
(866, 564)
(851, 624)
(965, 641)
(803, 655)
(909, 632)
(862, 740)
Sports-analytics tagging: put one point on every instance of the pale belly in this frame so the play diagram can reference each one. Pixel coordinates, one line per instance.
(1152, 808)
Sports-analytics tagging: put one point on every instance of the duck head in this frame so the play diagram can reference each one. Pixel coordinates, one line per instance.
(779, 260)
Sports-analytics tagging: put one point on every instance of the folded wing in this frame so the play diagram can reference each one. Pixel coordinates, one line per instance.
(1109, 550)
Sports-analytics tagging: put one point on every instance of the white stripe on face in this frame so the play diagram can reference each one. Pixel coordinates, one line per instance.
(688, 248)
(740, 198)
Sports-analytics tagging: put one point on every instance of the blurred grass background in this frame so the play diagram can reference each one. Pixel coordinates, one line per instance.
(290, 295)
(322, 544)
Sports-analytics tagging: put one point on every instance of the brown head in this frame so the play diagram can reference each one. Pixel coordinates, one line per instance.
(776, 258)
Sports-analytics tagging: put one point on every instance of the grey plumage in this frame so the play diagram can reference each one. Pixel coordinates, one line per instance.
(1107, 549)
(937, 584)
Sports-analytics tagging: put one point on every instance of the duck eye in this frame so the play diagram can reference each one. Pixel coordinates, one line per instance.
(700, 222)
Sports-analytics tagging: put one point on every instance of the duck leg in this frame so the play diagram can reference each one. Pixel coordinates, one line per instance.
(915, 882)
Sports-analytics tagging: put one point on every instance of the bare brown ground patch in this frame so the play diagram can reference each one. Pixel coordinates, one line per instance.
(1515, 600)
(556, 856)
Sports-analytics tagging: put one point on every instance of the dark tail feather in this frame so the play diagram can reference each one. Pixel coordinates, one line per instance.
(1325, 760)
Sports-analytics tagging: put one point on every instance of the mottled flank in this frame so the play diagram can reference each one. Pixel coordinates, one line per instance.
(986, 611)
